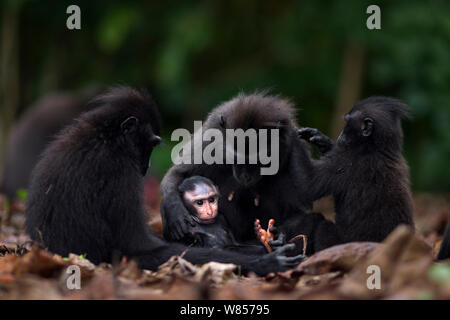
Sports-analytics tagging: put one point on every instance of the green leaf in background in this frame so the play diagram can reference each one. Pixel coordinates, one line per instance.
(194, 55)
(440, 273)
(115, 26)
(425, 295)
(22, 194)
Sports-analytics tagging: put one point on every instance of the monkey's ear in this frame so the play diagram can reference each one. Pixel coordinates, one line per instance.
(367, 127)
(129, 124)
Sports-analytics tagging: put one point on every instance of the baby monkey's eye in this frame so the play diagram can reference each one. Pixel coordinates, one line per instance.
(212, 200)
(199, 202)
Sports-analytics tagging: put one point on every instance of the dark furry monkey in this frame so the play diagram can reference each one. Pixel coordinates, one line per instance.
(247, 194)
(365, 171)
(86, 191)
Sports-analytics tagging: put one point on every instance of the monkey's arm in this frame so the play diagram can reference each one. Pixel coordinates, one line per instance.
(276, 261)
(323, 181)
(252, 249)
(176, 219)
(247, 249)
(317, 138)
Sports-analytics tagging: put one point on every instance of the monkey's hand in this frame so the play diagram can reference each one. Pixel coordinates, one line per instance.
(279, 259)
(279, 236)
(177, 221)
(264, 236)
(317, 138)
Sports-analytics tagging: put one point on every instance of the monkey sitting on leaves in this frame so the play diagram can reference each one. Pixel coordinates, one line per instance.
(365, 171)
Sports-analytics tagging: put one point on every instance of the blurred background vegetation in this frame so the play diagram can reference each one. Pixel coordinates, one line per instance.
(192, 55)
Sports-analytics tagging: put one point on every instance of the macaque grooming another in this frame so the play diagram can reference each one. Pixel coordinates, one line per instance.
(365, 171)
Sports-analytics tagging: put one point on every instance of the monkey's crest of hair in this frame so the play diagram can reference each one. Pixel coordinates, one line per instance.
(253, 110)
(114, 106)
(387, 114)
(189, 184)
(393, 106)
(98, 133)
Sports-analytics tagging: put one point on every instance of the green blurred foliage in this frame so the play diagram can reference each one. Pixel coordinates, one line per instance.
(440, 273)
(193, 55)
(22, 194)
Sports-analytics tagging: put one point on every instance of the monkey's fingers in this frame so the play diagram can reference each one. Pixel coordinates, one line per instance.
(262, 235)
(306, 133)
(281, 240)
(270, 235)
(181, 227)
(322, 142)
(285, 248)
(263, 239)
(275, 231)
(291, 262)
(257, 226)
(268, 247)
(190, 220)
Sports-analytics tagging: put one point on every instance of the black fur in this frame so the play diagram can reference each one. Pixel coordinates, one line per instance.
(86, 191)
(282, 196)
(444, 252)
(365, 171)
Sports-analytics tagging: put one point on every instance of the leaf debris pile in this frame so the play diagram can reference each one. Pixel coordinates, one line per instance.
(406, 262)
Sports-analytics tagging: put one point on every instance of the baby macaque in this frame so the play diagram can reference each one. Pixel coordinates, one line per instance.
(201, 198)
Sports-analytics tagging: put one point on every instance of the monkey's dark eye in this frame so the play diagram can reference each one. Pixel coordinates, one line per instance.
(212, 200)
(199, 202)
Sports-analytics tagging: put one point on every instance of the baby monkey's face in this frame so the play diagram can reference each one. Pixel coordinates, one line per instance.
(204, 198)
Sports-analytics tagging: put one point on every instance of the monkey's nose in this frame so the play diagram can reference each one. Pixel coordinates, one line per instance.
(155, 140)
(209, 210)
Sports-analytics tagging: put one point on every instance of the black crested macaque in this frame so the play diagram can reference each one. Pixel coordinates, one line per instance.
(86, 191)
(365, 171)
(201, 198)
(444, 252)
(247, 194)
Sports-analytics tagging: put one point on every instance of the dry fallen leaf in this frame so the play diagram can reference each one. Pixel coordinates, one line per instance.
(337, 258)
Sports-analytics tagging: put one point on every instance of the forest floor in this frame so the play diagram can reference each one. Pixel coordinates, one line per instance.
(405, 261)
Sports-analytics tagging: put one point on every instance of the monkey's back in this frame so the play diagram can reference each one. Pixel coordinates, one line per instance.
(73, 202)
